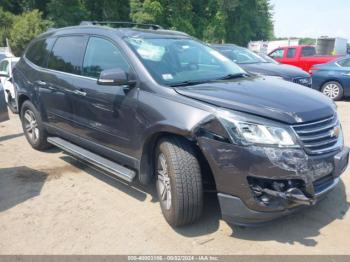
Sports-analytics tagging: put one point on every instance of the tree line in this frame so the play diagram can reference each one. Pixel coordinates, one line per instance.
(215, 21)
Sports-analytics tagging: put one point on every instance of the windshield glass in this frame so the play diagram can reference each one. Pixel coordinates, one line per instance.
(241, 55)
(268, 59)
(172, 61)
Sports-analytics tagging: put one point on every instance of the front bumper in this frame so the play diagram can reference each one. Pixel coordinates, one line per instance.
(234, 211)
(236, 169)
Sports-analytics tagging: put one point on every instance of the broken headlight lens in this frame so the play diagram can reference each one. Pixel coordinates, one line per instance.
(247, 131)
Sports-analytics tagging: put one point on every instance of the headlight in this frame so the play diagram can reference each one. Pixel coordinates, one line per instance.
(245, 130)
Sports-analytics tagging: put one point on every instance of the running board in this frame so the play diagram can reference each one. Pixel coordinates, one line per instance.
(94, 159)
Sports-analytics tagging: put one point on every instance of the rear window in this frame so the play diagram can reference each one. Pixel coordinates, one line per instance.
(308, 51)
(38, 52)
(67, 54)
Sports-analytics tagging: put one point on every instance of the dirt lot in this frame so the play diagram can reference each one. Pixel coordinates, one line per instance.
(53, 204)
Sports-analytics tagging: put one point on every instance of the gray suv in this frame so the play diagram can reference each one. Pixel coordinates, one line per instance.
(161, 107)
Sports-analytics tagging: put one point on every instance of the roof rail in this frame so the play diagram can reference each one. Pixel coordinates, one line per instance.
(121, 23)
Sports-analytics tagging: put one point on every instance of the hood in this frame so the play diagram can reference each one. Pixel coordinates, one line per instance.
(271, 69)
(269, 97)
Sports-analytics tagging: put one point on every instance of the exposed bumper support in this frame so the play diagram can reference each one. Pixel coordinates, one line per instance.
(234, 211)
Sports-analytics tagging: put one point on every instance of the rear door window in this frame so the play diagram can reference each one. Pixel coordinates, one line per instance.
(101, 54)
(67, 54)
(308, 51)
(39, 51)
(291, 52)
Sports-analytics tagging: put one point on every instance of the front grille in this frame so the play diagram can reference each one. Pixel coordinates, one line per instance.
(319, 137)
(305, 81)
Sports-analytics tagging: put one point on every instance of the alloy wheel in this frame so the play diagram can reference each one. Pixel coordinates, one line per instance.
(331, 90)
(31, 126)
(163, 182)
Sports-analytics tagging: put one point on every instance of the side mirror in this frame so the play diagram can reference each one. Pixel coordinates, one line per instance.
(113, 77)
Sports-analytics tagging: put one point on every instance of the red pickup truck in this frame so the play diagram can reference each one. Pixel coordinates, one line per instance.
(303, 56)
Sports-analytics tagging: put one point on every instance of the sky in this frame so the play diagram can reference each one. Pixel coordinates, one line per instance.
(312, 18)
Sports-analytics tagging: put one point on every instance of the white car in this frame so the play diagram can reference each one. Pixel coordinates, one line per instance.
(6, 67)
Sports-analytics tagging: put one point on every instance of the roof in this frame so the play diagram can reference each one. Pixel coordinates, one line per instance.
(225, 45)
(122, 31)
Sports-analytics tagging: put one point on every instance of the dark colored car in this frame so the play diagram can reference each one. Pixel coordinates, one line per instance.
(3, 106)
(258, 64)
(159, 105)
(333, 78)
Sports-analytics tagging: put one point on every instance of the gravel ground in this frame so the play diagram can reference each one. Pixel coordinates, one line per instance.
(52, 204)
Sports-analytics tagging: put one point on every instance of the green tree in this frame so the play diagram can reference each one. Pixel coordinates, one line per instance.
(147, 11)
(26, 27)
(66, 12)
(108, 9)
(6, 21)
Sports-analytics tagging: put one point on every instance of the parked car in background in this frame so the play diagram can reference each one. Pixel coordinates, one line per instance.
(333, 78)
(159, 106)
(258, 64)
(6, 68)
(3, 106)
(302, 56)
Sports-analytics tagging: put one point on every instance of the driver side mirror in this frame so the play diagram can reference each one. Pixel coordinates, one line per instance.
(114, 77)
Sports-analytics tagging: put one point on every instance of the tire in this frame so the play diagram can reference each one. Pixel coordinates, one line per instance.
(33, 127)
(11, 103)
(182, 175)
(333, 90)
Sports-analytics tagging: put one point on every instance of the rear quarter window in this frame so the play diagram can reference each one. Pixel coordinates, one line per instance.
(39, 51)
(67, 54)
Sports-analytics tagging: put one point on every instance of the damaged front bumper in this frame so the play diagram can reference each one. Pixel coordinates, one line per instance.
(260, 184)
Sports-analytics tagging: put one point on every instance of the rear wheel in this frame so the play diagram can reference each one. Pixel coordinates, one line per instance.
(179, 182)
(33, 127)
(333, 90)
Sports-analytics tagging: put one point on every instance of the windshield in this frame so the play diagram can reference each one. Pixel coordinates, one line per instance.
(171, 61)
(268, 59)
(241, 55)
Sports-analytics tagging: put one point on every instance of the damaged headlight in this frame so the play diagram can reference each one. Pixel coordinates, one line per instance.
(245, 129)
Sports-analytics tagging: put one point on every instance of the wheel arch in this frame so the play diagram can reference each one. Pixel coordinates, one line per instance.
(146, 171)
(21, 99)
(330, 80)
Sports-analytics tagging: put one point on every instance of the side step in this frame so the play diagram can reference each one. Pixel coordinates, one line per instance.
(96, 160)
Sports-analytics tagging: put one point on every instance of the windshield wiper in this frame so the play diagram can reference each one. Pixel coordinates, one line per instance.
(189, 83)
(233, 76)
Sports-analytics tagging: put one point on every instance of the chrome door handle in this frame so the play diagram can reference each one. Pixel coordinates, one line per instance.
(80, 93)
(41, 83)
(346, 74)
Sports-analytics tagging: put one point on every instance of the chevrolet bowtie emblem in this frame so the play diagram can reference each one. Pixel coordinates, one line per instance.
(335, 132)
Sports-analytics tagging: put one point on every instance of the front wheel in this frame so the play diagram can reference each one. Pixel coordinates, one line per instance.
(179, 181)
(333, 90)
